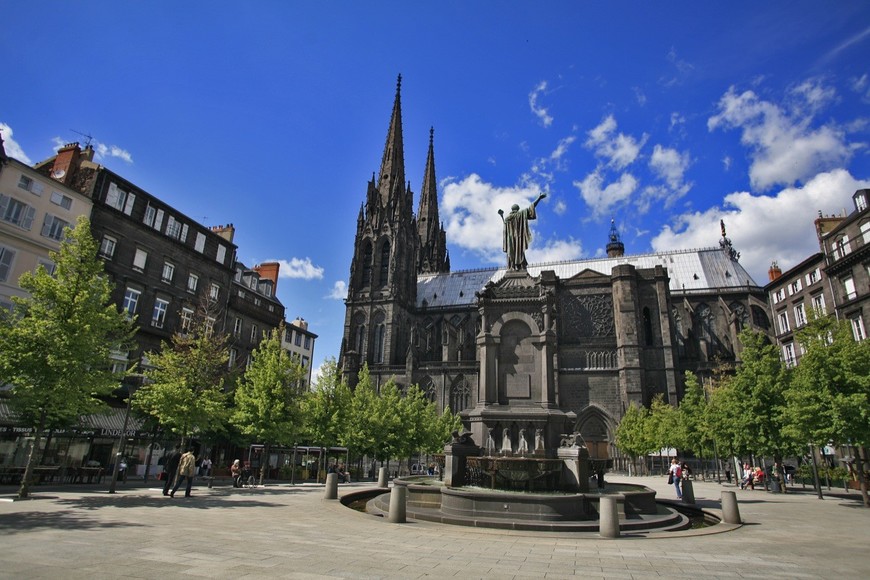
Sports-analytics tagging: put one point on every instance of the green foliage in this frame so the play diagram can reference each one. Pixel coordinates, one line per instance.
(326, 408)
(268, 395)
(184, 387)
(829, 399)
(661, 426)
(693, 426)
(632, 437)
(55, 347)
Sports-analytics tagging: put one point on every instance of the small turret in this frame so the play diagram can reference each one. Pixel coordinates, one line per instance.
(615, 248)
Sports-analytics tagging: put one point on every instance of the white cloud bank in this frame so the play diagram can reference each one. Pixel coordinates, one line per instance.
(469, 209)
(539, 111)
(13, 149)
(299, 268)
(338, 292)
(765, 228)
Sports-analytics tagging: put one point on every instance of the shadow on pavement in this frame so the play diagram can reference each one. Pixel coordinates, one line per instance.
(211, 501)
(12, 523)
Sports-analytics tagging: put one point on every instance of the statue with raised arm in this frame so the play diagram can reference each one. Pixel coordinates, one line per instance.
(517, 235)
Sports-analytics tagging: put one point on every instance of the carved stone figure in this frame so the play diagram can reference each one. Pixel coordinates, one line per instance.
(517, 234)
(506, 441)
(523, 444)
(539, 441)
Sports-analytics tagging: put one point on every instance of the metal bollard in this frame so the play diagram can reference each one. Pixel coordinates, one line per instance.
(608, 517)
(398, 508)
(331, 486)
(730, 511)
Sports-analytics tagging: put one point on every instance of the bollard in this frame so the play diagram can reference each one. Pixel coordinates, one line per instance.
(608, 517)
(331, 486)
(730, 512)
(688, 491)
(398, 496)
(382, 477)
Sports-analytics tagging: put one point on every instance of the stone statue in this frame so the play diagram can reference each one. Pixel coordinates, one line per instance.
(523, 444)
(517, 235)
(539, 440)
(506, 441)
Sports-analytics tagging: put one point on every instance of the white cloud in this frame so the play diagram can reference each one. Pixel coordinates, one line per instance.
(618, 149)
(765, 228)
(602, 198)
(540, 112)
(560, 207)
(783, 146)
(13, 149)
(101, 150)
(670, 165)
(339, 291)
(639, 96)
(299, 268)
(555, 251)
(469, 210)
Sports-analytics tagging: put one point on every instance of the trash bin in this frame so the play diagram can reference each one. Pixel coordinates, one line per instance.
(774, 485)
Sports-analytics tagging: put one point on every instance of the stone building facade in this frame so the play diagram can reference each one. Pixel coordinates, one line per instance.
(529, 355)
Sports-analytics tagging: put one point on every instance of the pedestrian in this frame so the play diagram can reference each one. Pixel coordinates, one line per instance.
(170, 468)
(186, 471)
(728, 474)
(236, 472)
(675, 475)
(205, 467)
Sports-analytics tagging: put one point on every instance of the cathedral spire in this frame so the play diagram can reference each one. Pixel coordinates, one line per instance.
(391, 180)
(432, 256)
(615, 248)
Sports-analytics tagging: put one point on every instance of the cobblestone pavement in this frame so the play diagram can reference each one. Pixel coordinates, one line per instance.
(281, 531)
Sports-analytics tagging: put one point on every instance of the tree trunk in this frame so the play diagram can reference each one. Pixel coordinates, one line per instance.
(264, 464)
(860, 451)
(816, 481)
(24, 490)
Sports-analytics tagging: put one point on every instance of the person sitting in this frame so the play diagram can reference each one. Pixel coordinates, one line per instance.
(343, 475)
(236, 472)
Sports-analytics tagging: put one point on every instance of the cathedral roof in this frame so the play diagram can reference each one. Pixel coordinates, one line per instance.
(688, 270)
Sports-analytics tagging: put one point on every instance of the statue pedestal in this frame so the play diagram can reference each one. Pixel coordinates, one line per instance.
(455, 461)
(575, 468)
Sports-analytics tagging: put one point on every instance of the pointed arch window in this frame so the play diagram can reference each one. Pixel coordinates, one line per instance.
(380, 339)
(367, 265)
(384, 272)
(705, 318)
(460, 395)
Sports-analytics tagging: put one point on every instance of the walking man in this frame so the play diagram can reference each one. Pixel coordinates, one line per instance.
(170, 468)
(186, 471)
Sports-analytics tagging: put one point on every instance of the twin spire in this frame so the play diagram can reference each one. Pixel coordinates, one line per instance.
(432, 254)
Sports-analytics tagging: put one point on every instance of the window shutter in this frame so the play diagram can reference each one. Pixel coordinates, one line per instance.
(46, 225)
(6, 257)
(184, 233)
(4, 202)
(28, 217)
(128, 207)
(158, 221)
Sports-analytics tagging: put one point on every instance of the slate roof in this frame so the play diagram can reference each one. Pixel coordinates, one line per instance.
(688, 270)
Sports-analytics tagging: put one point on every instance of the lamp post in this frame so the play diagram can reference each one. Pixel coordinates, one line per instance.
(121, 443)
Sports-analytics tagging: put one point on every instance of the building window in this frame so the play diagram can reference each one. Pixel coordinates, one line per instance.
(849, 287)
(298, 340)
(131, 301)
(199, 244)
(48, 265)
(865, 232)
(380, 338)
(7, 256)
(34, 187)
(153, 217)
(858, 328)
(119, 199)
(52, 227)
(385, 264)
(221, 253)
(168, 272)
(813, 277)
(158, 317)
(237, 327)
(254, 333)
(305, 362)
(214, 291)
(360, 338)
(788, 354)
(234, 354)
(186, 319)
(794, 287)
(783, 323)
(176, 230)
(16, 213)
(841, 246)
(779, 296)
(209, 325)
(192, 283)
(63, 201)
(819, 303)
(140, 259)
(107, 247)
(800, 316)
(307, 343)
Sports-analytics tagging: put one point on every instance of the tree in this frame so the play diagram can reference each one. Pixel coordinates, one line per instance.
(267, 397)
(660, 425)
(829, 397)
(326, 408)
(55, 346)
(632, 434)
(693, 426)
(184, 384)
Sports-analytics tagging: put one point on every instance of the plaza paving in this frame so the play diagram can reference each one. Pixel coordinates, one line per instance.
(281, 531)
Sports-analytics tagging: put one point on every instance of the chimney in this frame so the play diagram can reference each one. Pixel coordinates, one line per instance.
(824, 226)
(774, 272)
(268, 270)
(66, 163)
(227, 232)
(300, 323)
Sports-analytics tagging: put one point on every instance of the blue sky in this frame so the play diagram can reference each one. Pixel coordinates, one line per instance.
(665, 117)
